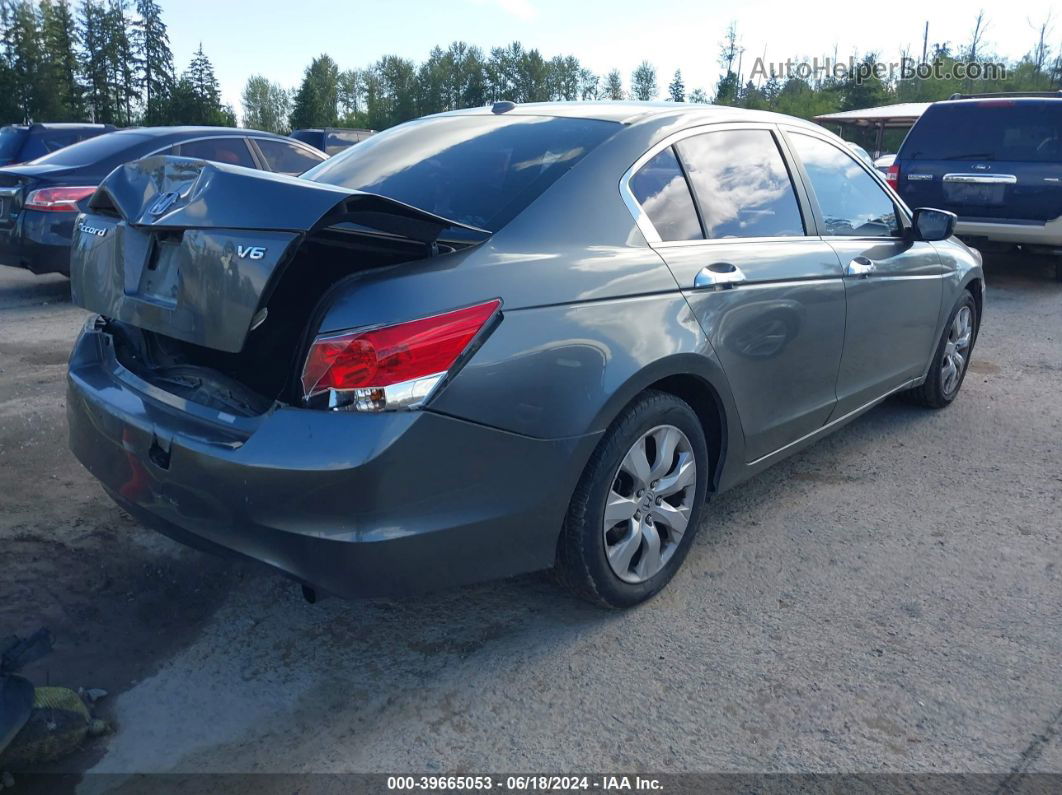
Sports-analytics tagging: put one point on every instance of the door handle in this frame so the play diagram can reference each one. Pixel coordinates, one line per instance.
(860, 266)
(718, 274)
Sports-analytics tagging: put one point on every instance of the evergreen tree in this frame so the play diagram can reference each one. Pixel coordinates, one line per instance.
(698, 96)
(196, 97)
(151, 45)
(613, 86)
(643, 82)
(59, 42)
(94, 63)
(122, 63)
(676, 89)
(23, 52)
(316, 101)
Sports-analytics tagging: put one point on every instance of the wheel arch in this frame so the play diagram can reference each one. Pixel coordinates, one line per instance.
(700, 383)
(976, 286)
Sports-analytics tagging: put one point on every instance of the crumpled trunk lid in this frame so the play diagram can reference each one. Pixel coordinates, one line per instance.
(191, 249)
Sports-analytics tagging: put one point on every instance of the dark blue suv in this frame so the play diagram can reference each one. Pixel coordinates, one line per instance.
(20, 143)
(996, 162)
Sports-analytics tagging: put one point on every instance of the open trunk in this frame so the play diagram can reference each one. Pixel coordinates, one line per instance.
(211, 277)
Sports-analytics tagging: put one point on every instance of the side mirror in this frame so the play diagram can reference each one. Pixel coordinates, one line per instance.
(929, 224)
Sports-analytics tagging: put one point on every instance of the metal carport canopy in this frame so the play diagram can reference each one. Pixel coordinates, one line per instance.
(883, 117)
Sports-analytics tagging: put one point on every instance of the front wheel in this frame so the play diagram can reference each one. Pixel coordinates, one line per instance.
(636, 508)
(952, 357)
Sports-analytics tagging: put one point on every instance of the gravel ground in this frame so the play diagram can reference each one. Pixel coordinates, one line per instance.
(890, 600)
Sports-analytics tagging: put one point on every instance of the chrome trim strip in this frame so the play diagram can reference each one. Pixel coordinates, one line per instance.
(982, 179)
(732, 240)
(778, 283)
(899, 277)
(850, 415)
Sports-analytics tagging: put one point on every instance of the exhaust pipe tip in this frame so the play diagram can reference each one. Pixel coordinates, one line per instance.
(309, 594)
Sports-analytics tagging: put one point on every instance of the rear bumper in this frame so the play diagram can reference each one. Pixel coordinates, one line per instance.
(39, 242)
(357, 505)
(1045, 234)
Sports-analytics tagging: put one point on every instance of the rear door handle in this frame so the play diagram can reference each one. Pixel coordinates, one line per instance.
(718, 274)
(860, 266)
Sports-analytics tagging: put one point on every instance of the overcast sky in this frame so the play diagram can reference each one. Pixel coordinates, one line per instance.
(277, 38)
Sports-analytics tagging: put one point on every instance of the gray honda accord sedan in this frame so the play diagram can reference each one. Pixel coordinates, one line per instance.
(499, 340)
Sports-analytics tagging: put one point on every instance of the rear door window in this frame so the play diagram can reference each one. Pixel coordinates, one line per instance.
(285, 158)
(996, 129)
(852, 202)
(663, 193)
(230, 149)
(741, 184)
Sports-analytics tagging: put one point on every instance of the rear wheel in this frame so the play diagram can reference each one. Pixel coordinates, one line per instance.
(952, 357)
(636, 508)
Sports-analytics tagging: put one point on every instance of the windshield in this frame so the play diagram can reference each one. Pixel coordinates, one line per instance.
(988, 130)
(11, 142)
(92, 150)
(477, 170)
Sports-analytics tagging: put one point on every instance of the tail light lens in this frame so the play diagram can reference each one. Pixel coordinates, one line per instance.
(392, 367)
(892, 176)
(58, 200)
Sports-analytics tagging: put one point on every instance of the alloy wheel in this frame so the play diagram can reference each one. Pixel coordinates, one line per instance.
(649, 504)
(956, 351)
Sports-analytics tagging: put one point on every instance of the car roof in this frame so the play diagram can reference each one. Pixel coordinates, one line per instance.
(631, 112)
(161, 132)
(997, 100)
(60, 125)
(71, 125)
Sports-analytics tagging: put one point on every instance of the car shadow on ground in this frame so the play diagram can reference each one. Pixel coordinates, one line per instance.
(24, 288)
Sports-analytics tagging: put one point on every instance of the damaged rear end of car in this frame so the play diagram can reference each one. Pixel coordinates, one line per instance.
(210, 403)
(211, 277)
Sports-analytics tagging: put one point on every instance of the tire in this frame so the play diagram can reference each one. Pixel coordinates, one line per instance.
(938, 390)
(583, 563)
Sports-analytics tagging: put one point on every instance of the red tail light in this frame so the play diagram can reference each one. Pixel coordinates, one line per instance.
(58, 200)
(892, 176)
(391, 367)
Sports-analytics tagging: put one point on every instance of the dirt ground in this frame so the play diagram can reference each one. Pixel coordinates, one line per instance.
(890, 600)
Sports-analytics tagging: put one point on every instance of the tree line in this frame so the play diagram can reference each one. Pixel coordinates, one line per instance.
(394, 89)
(106, 61)
(110, 61)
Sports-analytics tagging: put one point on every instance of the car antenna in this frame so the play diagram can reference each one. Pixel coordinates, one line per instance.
(502, 107)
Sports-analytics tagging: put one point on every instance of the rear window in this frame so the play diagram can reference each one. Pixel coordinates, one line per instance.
(988, 130)
(477, 170)
(93, 150)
